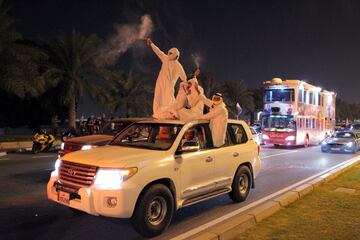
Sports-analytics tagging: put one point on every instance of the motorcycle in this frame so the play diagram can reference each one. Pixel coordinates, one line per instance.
(42, 142)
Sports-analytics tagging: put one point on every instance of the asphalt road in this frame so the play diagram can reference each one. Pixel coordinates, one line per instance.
(25, 213)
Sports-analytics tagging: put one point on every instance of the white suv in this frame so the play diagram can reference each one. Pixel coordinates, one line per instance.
(155, 167)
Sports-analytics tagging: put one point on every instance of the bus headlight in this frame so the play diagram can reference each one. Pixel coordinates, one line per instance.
(109, 178)
(62, 146)
(290, 138)
(265, 137)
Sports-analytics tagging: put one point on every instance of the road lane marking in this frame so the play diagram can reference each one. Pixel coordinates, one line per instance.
(44, 156)
(278, 154)
(2, 159)
(212, 223)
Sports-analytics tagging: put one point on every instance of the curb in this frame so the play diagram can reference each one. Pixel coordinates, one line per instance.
(233, 226)
(22, 146)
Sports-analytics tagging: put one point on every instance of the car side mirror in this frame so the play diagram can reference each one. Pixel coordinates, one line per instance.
(188, 147)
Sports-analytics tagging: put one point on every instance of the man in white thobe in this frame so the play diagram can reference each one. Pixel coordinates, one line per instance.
(218, 117)
(171, 70)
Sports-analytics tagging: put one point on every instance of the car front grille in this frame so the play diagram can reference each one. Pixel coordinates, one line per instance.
(75, 174)
(335, 144)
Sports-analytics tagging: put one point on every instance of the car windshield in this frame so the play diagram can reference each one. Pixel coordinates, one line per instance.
(279, 94)
(355, 127)
(155, 136)
(343, 135)
(114, 127)
(279, 123)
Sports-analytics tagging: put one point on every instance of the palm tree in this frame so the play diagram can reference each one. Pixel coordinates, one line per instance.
(128, 92)
(208, 83)
(20, 73)
(237, 92)
(72, 64)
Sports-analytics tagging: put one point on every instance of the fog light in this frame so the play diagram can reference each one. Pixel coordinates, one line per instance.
(111, 202)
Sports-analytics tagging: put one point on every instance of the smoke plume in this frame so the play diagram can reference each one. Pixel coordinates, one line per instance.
(124, 38)
(197, 59)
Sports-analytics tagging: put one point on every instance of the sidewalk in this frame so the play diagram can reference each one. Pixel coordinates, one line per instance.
(332, 211)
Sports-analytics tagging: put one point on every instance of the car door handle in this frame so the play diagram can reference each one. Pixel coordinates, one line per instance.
(235, 154)
(209, 159)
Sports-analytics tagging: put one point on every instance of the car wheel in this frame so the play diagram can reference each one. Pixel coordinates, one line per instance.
(153, 211)
(241, 184)
(354, 150)
(35, 148)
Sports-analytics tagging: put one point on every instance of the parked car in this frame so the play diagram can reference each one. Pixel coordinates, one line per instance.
(257, 135)
(155, 167)
(354, 127)
(104, 136)
(343, 141)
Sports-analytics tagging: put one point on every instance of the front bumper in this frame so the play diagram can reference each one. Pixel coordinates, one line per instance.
(94, 200)
(337, 148)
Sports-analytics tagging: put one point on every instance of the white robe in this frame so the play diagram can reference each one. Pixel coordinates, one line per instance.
(191, 100)
(170, 72)
(218, 117)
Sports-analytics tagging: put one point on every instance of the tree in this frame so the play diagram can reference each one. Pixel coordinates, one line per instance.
(72, 64)
(208, 83)
(237, 92)
(21, 73)
(128, 92)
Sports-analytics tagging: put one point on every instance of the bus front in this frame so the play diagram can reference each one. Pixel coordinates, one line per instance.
(278, 122)
(279, 129)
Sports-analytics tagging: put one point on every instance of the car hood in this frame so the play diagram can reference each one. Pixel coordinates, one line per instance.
(97, 139)
(114, 156)
(339, 140)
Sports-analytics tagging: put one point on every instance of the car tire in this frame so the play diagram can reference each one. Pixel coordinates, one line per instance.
(154, 211)
(241, 184)
(35, 148)
(354, 150)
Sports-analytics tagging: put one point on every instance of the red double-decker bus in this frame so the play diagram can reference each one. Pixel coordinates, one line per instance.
(296, 113)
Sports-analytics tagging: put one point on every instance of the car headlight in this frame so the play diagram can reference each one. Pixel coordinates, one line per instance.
(55, 173)
(266, 137)
(62, 146)
(323, 143)
(86, 147)
(349, 144)
(290, 138)
(113, 177)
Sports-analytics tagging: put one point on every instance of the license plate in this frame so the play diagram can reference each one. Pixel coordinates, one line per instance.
(64, 197)
(335, 149)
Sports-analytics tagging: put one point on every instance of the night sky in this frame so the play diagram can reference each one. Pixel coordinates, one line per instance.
(316, 41)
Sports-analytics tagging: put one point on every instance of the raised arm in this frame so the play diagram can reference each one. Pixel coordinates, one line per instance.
(195, 99)
(210, 115)
(205, 100)
(156, 50)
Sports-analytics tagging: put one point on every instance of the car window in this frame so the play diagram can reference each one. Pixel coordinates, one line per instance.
(343, 135)
(229, 139)
(197, 137)
(239, 133)
(156, 136)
